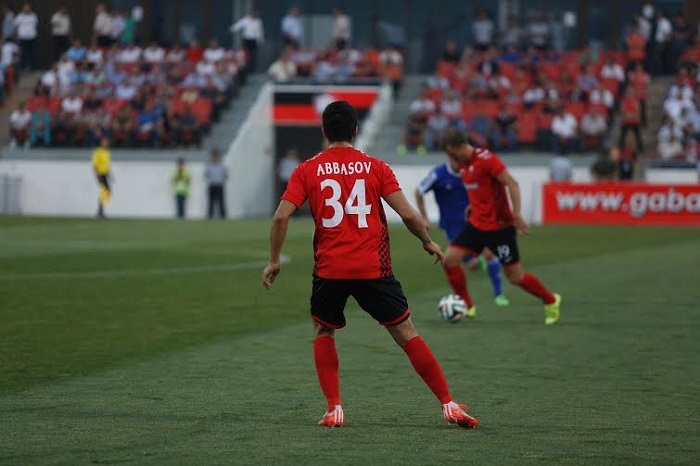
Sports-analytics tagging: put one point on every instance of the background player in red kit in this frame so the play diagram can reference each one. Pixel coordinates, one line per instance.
(492, 223)
(344, 188)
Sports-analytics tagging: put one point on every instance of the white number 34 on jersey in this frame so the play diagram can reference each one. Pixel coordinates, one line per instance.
(355, 205)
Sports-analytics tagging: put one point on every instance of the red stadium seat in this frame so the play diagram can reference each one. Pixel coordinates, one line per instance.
(36, 101)
(527, 128)
(202, 110)
(577, 109)
(445, 68)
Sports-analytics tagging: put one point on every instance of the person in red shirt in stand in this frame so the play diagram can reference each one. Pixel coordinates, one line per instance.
(639, 81)
(636, 45)
(352, 255)
(194, 52)
(492, 222)
(631, 118)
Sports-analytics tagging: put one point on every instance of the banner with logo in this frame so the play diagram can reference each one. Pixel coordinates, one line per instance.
(621, 203)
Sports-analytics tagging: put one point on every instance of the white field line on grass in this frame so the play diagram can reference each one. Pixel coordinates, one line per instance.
(142, 272)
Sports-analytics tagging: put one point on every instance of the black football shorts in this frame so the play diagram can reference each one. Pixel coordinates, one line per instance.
(503, 243)
(381, 298)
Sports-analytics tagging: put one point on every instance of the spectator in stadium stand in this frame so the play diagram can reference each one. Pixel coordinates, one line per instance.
(154, 54)
(625, 157)
(602, 97)
(286, 167)
(292, 28)
(594, 127)
(176, 54)
(681, 38)
(26, 24)
(636, 45)
(118, 26)
(8, 23)
(505, 136)
(639, 79)
(147, 123)
(561, 170)
(390, 67)
(673, 106)
(480, 127)
(40, 126)
(102, 28)
(341, 28)
(20, 118)
(60, 32)
(482, 31)
(9, 54)
(194, 52)
(422, 107)
(511, 36)
(564, 132)
(670, 149)
(539, 32)
(450, 53)
(253, 35)
(662, 38)
(94, 56)
(489, 65)
(72, 103)
(435, 129)
(631, 118)
(587, 79)
(612, 70)
(215, 52)
(283, 69)
(451, 107)
(413, 138)
(77, 52)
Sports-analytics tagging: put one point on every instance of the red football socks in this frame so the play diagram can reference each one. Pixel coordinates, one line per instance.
(458, 282)
(533, 285)
(428, 368)
(326, 358)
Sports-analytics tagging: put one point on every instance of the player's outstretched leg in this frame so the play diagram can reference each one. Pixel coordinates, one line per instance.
(326, 360)
(530, 283)
(424, 362)
(458, 282)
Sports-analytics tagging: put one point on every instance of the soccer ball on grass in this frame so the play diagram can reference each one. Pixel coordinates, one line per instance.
(452, 308)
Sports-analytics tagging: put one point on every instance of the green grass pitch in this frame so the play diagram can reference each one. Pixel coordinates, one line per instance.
(153, 342)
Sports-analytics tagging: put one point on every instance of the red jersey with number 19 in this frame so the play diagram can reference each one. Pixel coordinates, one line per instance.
(490, 207)
(344, 187)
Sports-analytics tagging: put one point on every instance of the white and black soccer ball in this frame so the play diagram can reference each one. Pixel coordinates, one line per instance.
(452, 308)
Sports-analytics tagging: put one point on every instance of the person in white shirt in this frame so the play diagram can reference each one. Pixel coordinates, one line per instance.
(205, 68)
(602, 96)
(175, 55)
(49, 81)
(72, 104)
(594, 124)
(482, 30)
(8, 23)
(284, 68)
(564, 131)
(612, 70)
(670, 149)
(253, 34)
(117, 27)
(664, 33)
(153, 54)
(9, 53)
(19, 124)
(102, 27)
(215, 52)
(341, 28)
(292, 29)
(60, 32)
(26, 23)
(131, 54)
(95, 56)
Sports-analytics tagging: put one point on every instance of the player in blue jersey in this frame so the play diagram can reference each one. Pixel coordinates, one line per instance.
(453, 203)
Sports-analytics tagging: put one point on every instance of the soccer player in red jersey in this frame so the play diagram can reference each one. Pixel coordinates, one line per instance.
(492, 223)
(352, 255)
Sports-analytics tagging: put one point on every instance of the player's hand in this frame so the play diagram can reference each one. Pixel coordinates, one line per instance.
(270, 273)
(433, 249)
(521, 225)
(426, 223)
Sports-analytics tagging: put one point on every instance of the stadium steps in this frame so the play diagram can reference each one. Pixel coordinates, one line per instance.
(224, 131)
(22, 91)
(393, 130)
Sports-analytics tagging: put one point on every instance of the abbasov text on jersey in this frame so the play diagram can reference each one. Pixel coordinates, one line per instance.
(337, 168)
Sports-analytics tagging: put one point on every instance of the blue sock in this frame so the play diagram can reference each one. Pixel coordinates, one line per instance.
(494, 269)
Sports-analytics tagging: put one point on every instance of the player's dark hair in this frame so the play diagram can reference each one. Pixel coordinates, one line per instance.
(454, 138)
(339, 121)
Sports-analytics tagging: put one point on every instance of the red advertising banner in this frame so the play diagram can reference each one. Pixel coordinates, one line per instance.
(627, 203)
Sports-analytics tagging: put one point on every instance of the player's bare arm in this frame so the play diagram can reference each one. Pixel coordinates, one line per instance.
(278, 233)
(414, 223)
(514, 191)
(420, 202)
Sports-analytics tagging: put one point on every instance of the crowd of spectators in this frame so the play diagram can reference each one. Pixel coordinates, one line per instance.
(508, 98)
(136, 96)
(679, 133)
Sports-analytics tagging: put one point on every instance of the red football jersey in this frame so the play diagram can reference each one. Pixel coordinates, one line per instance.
(344, 188)
(490, 207)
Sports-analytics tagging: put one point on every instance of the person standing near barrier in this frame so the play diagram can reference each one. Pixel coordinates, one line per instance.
(101, 162)
(216, 175)
(181, 187)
